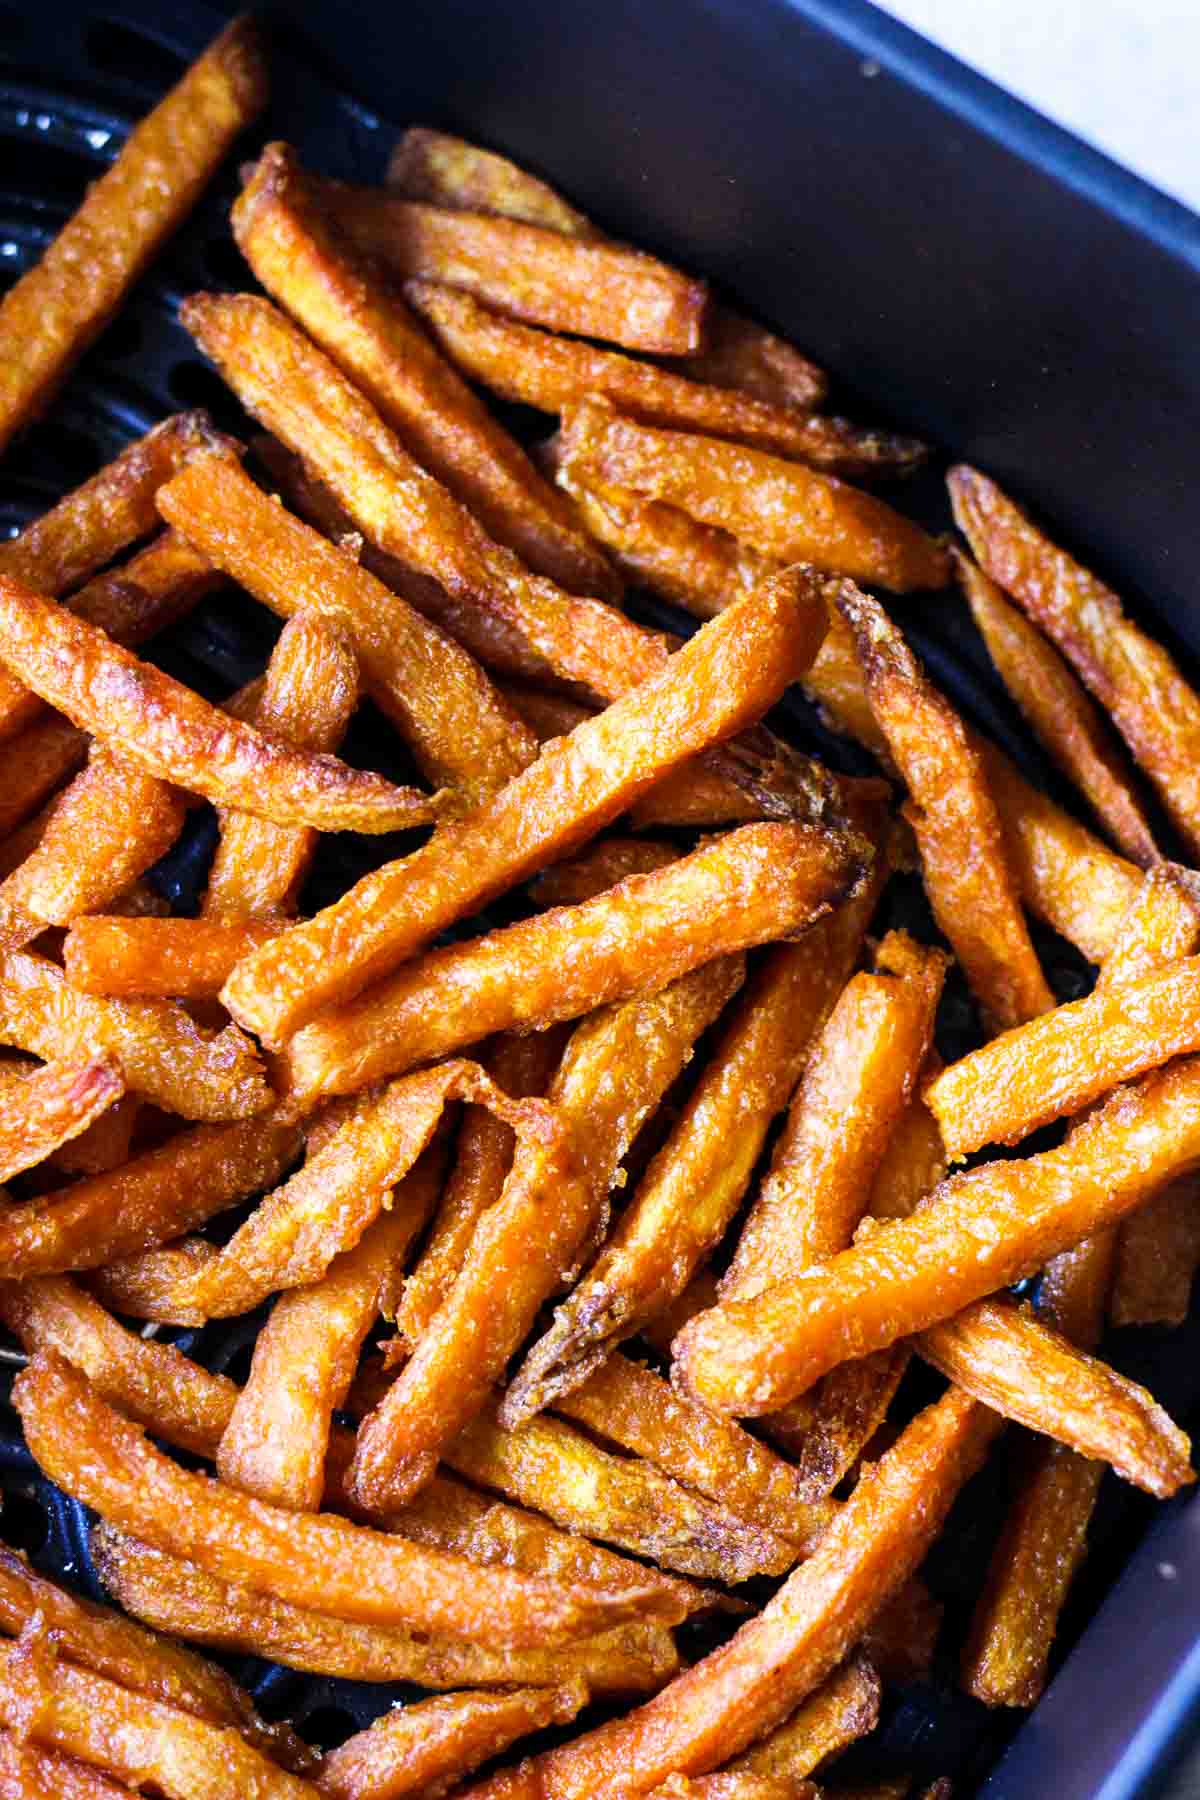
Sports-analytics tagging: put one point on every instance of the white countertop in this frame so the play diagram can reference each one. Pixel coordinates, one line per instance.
(1124, 74)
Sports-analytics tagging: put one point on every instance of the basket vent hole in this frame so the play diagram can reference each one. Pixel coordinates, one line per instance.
(328, 1726)
(115, 50)
(24, 1521)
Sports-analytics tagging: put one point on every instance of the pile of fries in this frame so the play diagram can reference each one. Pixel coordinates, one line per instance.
(599, 1242)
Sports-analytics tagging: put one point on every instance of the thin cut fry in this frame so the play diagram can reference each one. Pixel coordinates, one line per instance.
(142, 1286)
(104, 1145)
(428, 1747)
(601, 866)
(752, 1683)
(52, 314)
(1067, 721)
(1161, 925)
(51, 1106)
(843, 1709)
(185, 959)
(779, 507)
(1134, 678)
(106, 1461)
(915, 1159)
(30, 1773)
(1158, 1253)
(840, 1418)
(36, 762)
(739, 353)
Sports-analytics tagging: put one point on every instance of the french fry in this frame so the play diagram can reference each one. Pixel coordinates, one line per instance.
(309, 268)
(735, 1785)
(601, 866)
(748, 887)
(971, 886)
(843, 1709)
(739, 353)
(751, 1684)
(1158, 1252)
(183, 959)
(182, 1599)
(104, 1145)
(105, 1460)
(981, 1230)
(143, 1285)
(163, 1054)
(621, 1500)
(36, 762)
(552, 373)
(168, 730)
(839, 1419)
(54, 1104)
(901, 1640)
(29, 1773)
(52, 314)
(429, 1747)
(445, 707)
(1161, 925)
(914, 1160)
(1135, 679)
(779, 507)
(1067, 721)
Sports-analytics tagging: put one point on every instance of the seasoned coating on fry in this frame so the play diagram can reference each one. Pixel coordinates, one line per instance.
(142, 1285)
(36, 762)
(842, 1416)
(52, 1105)
(601, 866)
(739, 353)
(183, 959)
(842, 1709)
(1158, 1253)
(30, 1773)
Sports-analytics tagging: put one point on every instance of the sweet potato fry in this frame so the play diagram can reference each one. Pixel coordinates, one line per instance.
(779, 507)
(429, 1747)
(622, 1500)
(1161, 925)
(105, 1460)
(184, 1600)
(971, 886)
(739, 353)
(601, 866)
(751, 1684)
(719, 681)
(1158, 1253)
(755, 884)
(915, 1158)
(1067, 721)
(184, 959)
(52, 314)
(733, 1785)
(142, 1286)
(1056, 1064)
(841, 1417)
(1134, 678)
(29, 1773)
(980, 1230)
(842, 1709)
(163, 1054)
(443, 704)
(51, 1106)
(36, 762)
(104, 1145)
(552, 373)
(171, 732)
(901, 1639)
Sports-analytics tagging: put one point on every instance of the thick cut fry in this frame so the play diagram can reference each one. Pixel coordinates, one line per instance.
(843, 1709)
(738, 353)
(915, 1159)
(755, 884)
(106, 1461)
(435, 694)
(752, 1683)
(52, 314)
(980, 1231)
(1158, 1253)
(619, 1499)
(1068, 723)
(552, 373)
(427, 1748)
(1161, 925)
(310, 269)
(49, 1107)
(142, 1286)
(171, 732)
(600, 867)
(839, 1419)
(1135, 679)
(182, 1599)
(971, 887)
(29, 1773)
(1056, 1064)
(779, 507)
(185, 959)
(35, 763)
(163, 1054)
(718, 682)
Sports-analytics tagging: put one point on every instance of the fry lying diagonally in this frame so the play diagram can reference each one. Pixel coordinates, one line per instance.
(51, 1106)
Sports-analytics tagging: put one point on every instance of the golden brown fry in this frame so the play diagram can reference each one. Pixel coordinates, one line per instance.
(752, 1683)
(105, 1460)
(1066, 720)
(915, 1158)
(49, 1107)
(1134, 678)
(901, 1639)
(779, 507)
(748, 887)
(162, 1053)
(1161, 925)
(722, 679)
(622, 1500)
(428, 1747)
(840, 1418)
(738, 353)
(460, 729)
(52, 314)
(186, 959)
(601, 866)
(552, 373)
(143, 1285)
(980, 1231)
(182, 1599)
(842, 1709)
(1158, 1253)
(36, 762)
(1056, 1064)
(29, 1773)
(104, 1145)
(735, 1785)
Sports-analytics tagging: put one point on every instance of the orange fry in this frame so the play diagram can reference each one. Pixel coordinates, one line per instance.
(1158, 1253)
(841, 1418)
(842, 1710)
(29, 1773)
(52, 314)
(51, 1106)
(143, 1285)
(601, 866)
(186, 959)
(104, 1145)
(34, 763)
(739, 353)
(1161, 925)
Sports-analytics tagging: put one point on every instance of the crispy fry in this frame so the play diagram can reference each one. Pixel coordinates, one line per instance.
(915, 1158)
(430, 1746)
(36, 762)
(601, 866)
(1066, 720)
(779, 507)
(186, 959)
(845, 1413)
(980, 1231)
(52, 314)
(552, 373)
(93, 1452)
(739, 353)
(143, 1285)
(971, 887)
(842, 1709)
(719, 681)
(901, 1639)
(104, 1145)
(460, 730)
(735, 1785)
(54, 1104)
(1134, 678)
(1158, 1253)
(180, 1598)
(163, 1055)
(1161, 925)
(29, 1773)
(751, 1684)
